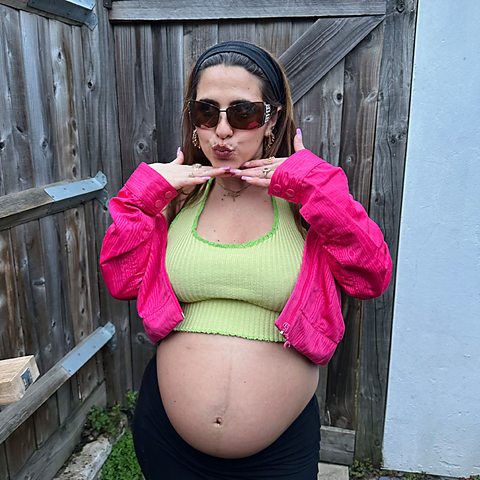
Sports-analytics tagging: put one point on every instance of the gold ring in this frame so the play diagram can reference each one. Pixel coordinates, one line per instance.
(270, 160)
(195, 167)
(266, 171)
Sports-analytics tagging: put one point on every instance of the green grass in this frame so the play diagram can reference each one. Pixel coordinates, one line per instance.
(122, 462)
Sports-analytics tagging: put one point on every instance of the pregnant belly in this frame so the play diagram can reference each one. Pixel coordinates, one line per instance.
(230, 397)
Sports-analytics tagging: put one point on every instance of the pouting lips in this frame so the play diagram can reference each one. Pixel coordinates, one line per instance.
(221, 148)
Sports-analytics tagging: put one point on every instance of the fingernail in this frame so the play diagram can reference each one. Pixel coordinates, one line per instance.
(236, 170)
(179, 149)
(226, 168)
(205, 178)
(245, 178)
(299, 132)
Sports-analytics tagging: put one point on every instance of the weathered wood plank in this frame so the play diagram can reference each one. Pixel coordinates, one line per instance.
(46, 420)
(321, 393)
(19, 447)
(275, 36)
(169, 87)
(362, 68)
(3, 463)
(242, 30)
(322, 46)
(46, 461)
(197, 37)
(11, 331)
(103, 153)
(23, 5)
(17, 175)
(79, 307)
(385, 203)
(319, 114)
(65, 110)
(152, 10)
(39, 84)
(67, 165)
(136, 94)
(337, 445)
(41, 111)
(34, 203)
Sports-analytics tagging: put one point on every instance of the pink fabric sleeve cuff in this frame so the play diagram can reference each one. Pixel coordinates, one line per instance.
(147, 185)
(288, 177)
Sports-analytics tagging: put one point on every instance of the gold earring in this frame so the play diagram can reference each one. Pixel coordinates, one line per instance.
(270, 141)
(195, 141)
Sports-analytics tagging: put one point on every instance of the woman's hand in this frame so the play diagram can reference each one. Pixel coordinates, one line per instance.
(181, 176)
(260, 172)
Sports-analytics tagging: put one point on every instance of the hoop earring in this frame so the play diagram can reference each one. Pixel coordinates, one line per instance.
(270, 140)
(195, 141)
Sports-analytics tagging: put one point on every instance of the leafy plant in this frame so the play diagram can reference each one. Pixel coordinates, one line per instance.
(101, 421)
(122, 462)
(416, 476)
(131, 401)
(363, 469)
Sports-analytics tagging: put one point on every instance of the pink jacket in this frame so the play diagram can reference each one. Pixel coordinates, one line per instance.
(343, 248)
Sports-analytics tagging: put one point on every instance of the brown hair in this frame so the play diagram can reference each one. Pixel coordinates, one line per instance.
(284, 129)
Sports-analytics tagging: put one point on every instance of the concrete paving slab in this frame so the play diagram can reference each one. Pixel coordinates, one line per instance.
(329, 471)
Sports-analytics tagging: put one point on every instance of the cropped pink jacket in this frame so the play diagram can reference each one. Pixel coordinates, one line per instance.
(343, 249)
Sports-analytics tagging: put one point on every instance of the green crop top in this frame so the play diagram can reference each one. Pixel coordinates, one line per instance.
(233, 289)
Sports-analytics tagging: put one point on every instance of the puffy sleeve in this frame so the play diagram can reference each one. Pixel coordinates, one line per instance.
(136, 212)
(357, 254)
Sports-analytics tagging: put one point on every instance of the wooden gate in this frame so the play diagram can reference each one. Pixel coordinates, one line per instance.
(349, 65)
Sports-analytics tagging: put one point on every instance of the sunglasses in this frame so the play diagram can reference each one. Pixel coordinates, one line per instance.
(242, 115)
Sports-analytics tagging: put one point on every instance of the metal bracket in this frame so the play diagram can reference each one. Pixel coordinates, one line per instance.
(73, 361)
(77, 10)
(80, 188)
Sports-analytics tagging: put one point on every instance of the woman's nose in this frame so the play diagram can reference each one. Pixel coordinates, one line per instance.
(223, 128)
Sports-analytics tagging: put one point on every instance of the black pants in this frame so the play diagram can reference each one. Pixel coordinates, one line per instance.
(164, 455)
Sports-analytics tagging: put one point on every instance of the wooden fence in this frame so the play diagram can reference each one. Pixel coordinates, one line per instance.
(58, 122)
(75, 101)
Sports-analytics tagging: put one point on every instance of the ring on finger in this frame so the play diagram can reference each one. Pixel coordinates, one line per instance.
(266, 171)
(195, 167)
(270, 160)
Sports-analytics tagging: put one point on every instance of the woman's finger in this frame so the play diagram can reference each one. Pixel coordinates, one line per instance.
(298, 141)
(258, 182)
(180, 157)
(263, 161)
(264, 173)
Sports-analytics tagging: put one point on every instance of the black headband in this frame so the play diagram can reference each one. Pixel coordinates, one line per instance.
(259, 56)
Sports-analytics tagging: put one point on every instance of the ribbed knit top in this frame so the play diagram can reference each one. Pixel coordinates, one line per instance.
(233, 289)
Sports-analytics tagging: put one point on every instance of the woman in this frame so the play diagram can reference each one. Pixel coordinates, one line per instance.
(244, 300)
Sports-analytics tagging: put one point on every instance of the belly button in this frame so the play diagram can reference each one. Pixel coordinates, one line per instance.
(219, 421)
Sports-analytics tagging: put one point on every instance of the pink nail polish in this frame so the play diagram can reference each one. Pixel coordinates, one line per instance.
(236, 170)
(299, 132)
(179, 149)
